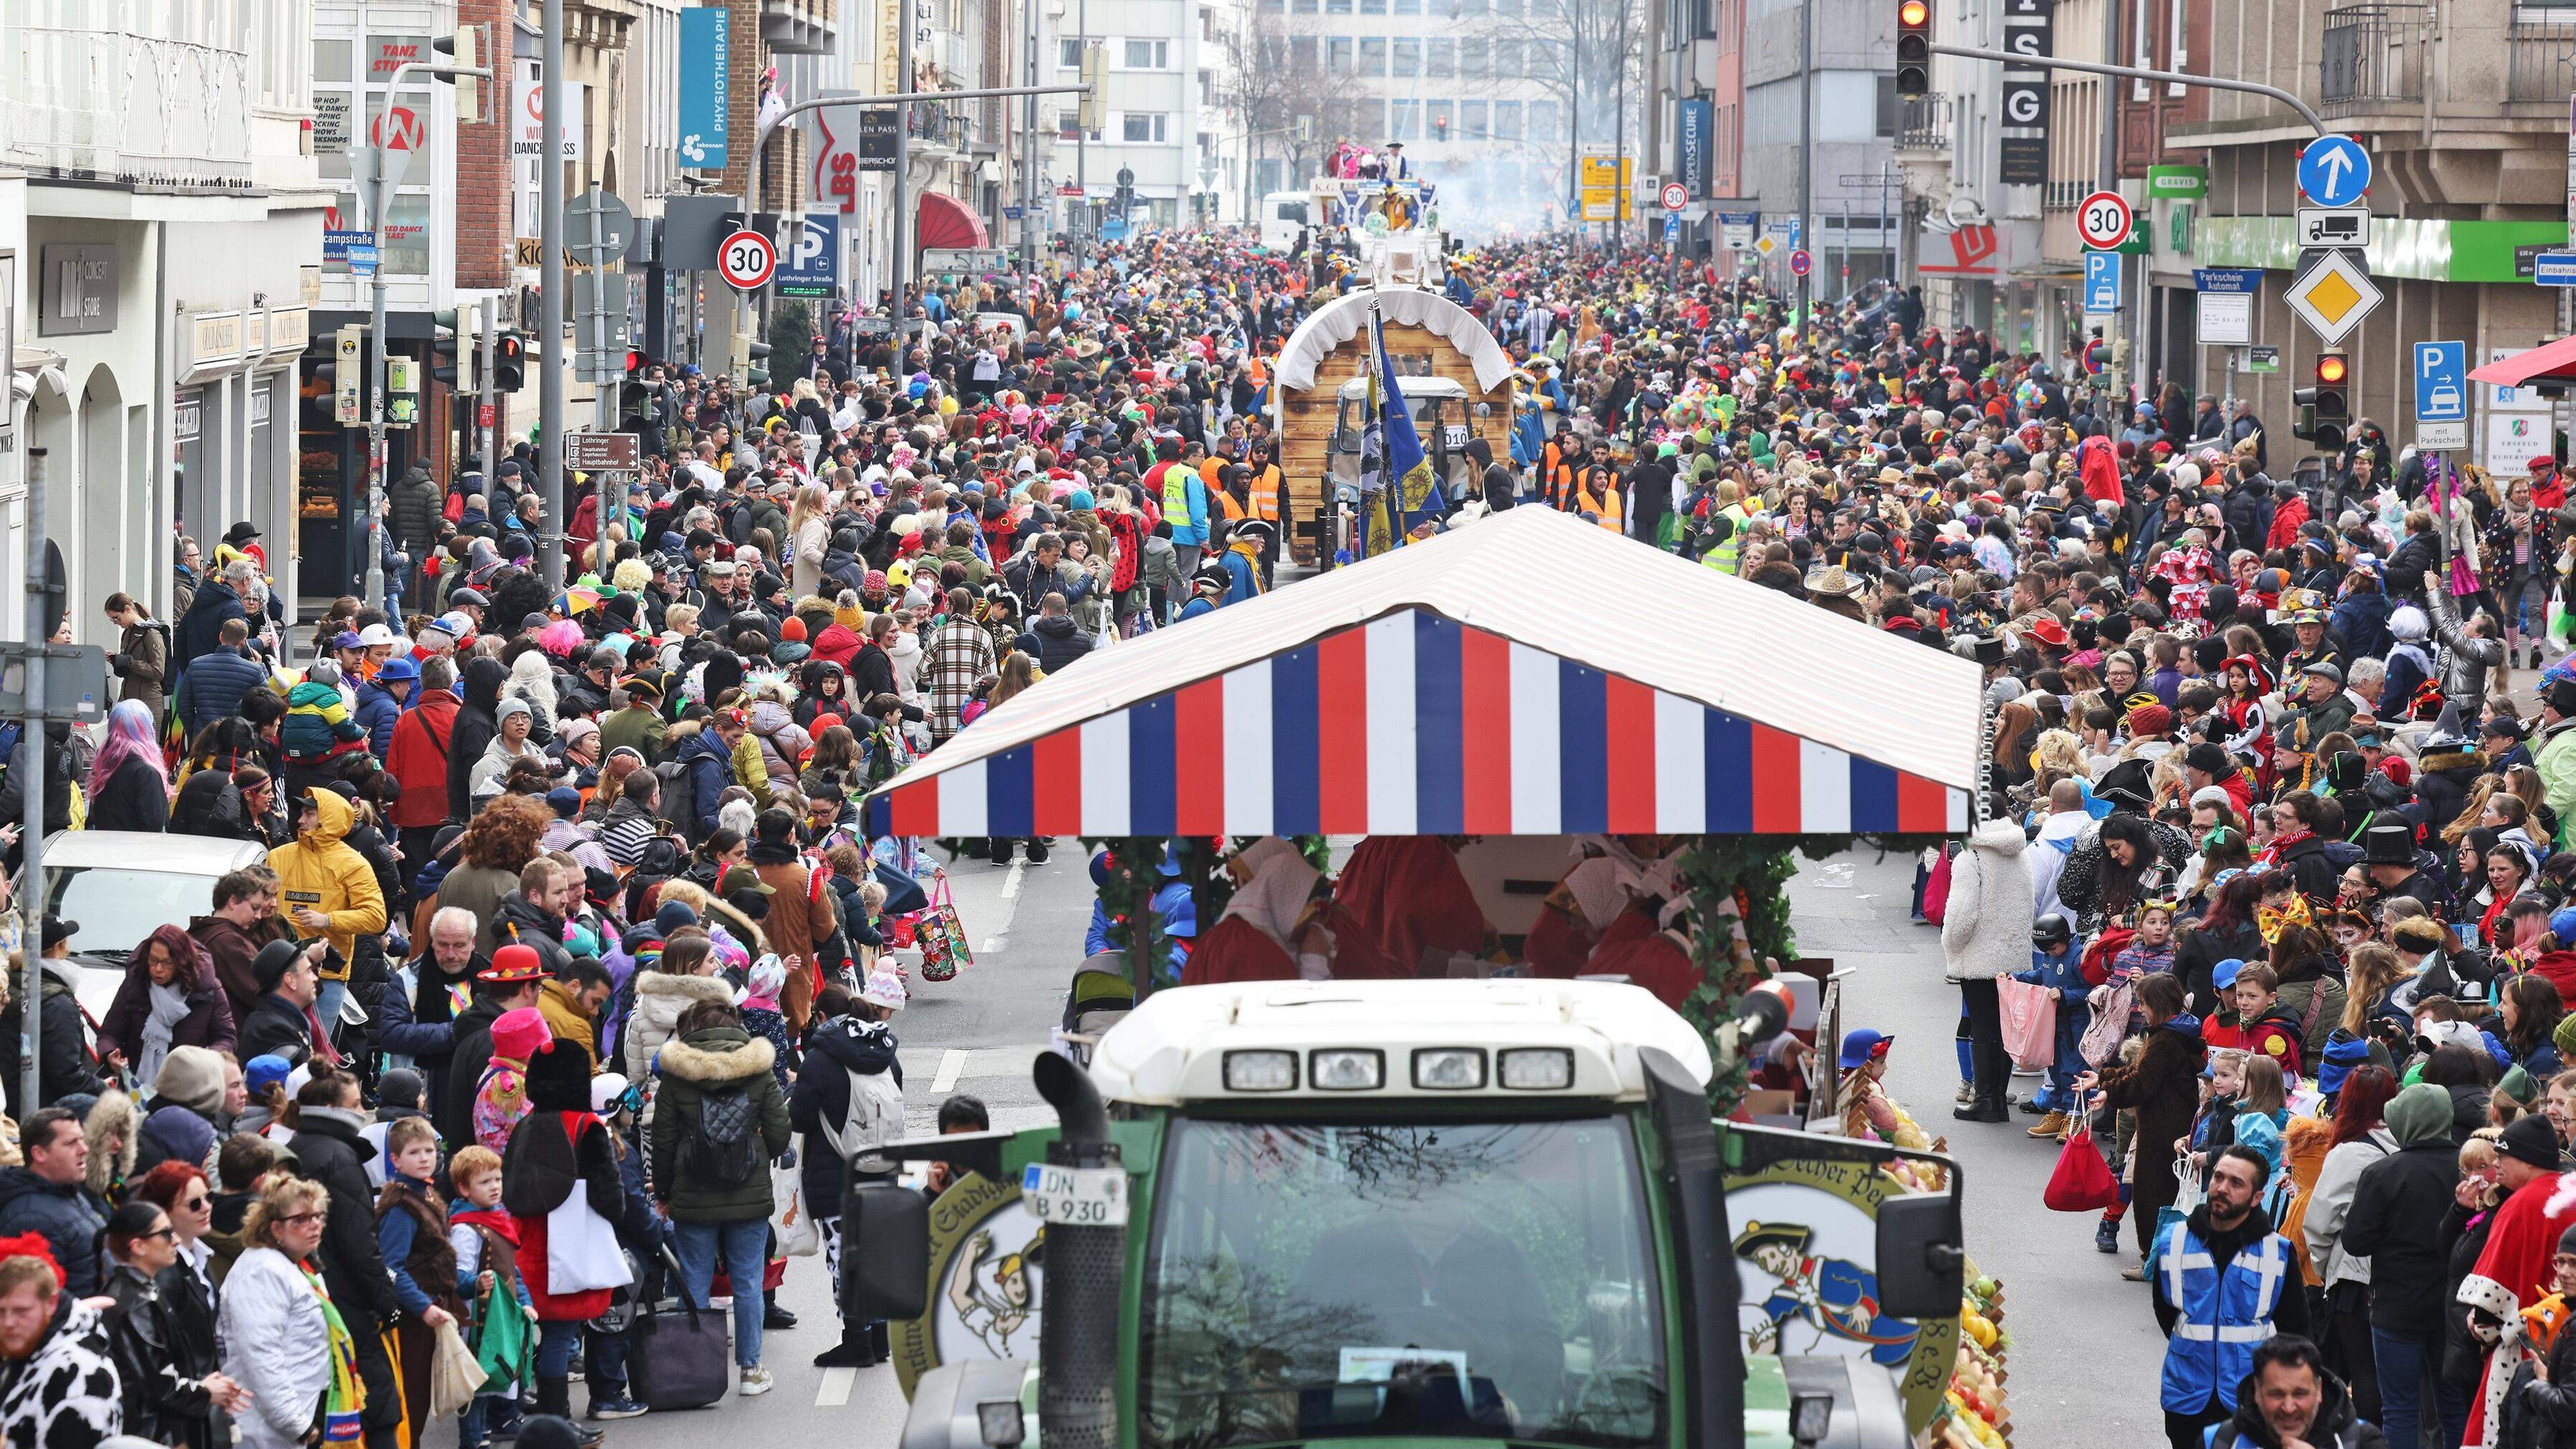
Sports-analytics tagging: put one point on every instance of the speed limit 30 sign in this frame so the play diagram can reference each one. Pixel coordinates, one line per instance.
(746, 261)
(1675, 196)
(2103, 220)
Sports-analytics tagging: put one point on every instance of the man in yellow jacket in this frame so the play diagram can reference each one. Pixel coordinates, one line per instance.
(327, 889)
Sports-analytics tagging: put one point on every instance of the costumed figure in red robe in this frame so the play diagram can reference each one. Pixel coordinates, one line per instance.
(1407, 895)
(2513, 1273)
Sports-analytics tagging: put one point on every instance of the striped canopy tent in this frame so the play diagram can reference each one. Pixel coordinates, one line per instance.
(1528, 674)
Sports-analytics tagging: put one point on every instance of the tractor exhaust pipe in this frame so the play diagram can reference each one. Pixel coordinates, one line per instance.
(1084, 1271)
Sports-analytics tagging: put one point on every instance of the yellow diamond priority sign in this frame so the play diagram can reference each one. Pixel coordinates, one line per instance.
(2333, 296)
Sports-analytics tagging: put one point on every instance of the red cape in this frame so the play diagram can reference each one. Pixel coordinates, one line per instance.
(1406, 893)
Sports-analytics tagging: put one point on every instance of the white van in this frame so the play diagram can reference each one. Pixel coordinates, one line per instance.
(1283, 216)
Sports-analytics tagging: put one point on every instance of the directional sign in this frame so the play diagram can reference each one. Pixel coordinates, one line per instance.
(2554, 269)
(745, 261)
(2334, 226)
(1675, 196)
(2103, 220)
(1800, 262)
(2333, 296)
(2334, 171)
(2101, 282)
(601, 452)
(362, 258)
(2441, 382)
(1736, 228)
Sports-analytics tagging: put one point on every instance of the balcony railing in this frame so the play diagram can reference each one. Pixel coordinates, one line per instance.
(2544, 60)
(1924, 125)
(2065, 195)
(2374, 57)
(128, 108)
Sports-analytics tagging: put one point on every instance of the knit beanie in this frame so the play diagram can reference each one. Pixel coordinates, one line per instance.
(518, 1033)
(851, 617)
(192, 1076)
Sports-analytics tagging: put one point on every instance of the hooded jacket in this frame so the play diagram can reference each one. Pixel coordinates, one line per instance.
(2330, 1201)
(320, 871)
(64, 1393)
(660, 1000)
(232, 949)
(710, 1060)
(477, 721)
(209, 805)
(209, 1022)
(417, 757)
(2392, 1200)
(1985, 928)
(69, 1215)
(329, 1150)
(65, 1064)
(2336, 1425)
(820, 1103)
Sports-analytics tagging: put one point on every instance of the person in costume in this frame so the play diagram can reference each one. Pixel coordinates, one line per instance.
(2514, 1270)
(1408, 895)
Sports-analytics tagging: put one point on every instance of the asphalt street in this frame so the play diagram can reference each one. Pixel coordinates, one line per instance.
(2085, 1347)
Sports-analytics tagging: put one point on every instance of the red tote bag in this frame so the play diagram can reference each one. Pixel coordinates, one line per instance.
(2082, 1182)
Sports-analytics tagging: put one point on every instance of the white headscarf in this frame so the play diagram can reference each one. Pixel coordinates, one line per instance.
(1275, 897)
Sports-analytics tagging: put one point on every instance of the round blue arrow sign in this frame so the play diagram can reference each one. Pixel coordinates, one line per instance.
(2334, 171)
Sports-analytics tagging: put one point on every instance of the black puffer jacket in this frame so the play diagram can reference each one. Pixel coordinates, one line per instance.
(838, 1046)
(477, 721)
(329, 1151)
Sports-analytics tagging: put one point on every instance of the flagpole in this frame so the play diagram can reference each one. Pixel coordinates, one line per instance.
(1397, 522)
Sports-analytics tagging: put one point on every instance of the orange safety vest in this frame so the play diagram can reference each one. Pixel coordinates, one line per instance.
(1265, 494)
(1234, 512)
(1606, 507)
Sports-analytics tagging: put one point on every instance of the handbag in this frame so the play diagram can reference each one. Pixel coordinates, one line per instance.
(2029, 1015)
(944, 951)
(682, 1360)
(788, 1219)
(581, 1248)
(2081, 1182)
(454, 1376)
(2110, 1024)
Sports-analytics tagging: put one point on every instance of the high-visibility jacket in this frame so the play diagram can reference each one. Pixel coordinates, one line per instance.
(1725, 557)
(1555, 477)
(2223, 1315)
(1265, 494)
(1604, 505)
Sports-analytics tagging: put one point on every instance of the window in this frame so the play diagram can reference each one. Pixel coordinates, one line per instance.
(1144, 130)
(1373, 54)
(1440, 61)
(1546, 123)
(1301, 52)
(1408, 7)
(1207, 89)
(1068, 126)
(1887, 105)
(1437, 117)
(1372, 7)
(1068, 52)
(1472, 61)
(1470, 9)
(1471, 124)
(1507, 58)
(1407, 57)
(1403, 120)
(1508, 9)
(1337, 54)
(1337, 7)
(1149, 55)
(1306, 7)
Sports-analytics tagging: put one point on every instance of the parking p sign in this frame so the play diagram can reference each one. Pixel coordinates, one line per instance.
(2441, 395)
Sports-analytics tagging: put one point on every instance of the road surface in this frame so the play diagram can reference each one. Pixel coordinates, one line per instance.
(2085, 1347)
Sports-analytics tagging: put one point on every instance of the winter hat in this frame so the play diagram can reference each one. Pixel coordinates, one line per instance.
(192, 1076)
(401, 1087)
(558, 1074)
(884, 989)
(518, 1033)
(263, 1072)
(768, 976)
(2531, 1140)
(2343, 1054)
(672, 916)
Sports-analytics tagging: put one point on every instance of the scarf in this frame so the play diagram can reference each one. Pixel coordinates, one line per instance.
(169, 1007)
(348, 1396)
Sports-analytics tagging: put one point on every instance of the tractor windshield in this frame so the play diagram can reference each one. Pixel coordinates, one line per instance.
(1483, 1280)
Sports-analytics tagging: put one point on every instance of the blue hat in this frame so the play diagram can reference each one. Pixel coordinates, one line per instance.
(565, 799)
(674, 915)
(1078, 498)
(398, 669)
(262, 1072)
(2343, 1053)
(2223, 975)
(2563, 925)
(2186, 1023)
(1864, 1046)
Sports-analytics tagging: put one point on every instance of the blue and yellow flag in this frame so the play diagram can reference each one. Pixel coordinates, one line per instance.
(1411, 491)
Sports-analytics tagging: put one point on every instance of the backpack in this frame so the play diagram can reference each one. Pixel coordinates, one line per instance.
(875, 1118)
(726, 1149)
(678, 803)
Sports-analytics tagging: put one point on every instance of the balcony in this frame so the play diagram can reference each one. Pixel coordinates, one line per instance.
(2065, 195)
(2544, 61)
(101, 105)
(2374, 58)
(1924, 125)
(940, 126)
(797, 27)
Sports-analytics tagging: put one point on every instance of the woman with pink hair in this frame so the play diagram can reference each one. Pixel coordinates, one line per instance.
(129, 786)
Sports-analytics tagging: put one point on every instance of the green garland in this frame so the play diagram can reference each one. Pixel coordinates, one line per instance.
(1732, 880)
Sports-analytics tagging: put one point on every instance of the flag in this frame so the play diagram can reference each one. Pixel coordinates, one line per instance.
(1411, 491)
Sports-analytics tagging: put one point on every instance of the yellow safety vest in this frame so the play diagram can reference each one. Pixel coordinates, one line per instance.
(1728, 553)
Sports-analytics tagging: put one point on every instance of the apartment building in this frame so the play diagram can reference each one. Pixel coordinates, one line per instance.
(161, 224)
(1820, 121)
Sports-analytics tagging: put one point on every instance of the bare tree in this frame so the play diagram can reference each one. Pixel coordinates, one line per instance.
(1578, 51)
(1280, 79)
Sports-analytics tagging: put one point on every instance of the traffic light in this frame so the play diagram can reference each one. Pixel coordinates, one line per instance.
(451, 358)
(509, 362)
(1913, 49)
(1440, 128)
(460, 49)
(2325, 410)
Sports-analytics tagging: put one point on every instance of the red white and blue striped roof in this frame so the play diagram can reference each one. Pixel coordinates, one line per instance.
(1526, 675)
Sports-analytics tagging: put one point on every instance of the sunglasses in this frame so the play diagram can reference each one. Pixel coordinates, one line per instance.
(198, 1201)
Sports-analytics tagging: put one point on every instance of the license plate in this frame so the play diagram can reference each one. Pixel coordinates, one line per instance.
(1081, 1197)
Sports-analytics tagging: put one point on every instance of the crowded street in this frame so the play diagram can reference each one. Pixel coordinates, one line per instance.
(928, 730)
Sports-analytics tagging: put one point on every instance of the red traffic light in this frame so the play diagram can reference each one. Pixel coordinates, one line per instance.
(1914, 14)
(2331, 368)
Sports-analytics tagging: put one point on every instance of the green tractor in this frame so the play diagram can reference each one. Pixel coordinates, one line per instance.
(1405, 1211)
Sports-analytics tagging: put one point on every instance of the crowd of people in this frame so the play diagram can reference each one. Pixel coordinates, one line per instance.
(568, 900)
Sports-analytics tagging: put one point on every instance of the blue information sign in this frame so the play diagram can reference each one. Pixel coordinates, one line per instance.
(2441, 382)
(809, 265)
(706, 102)
(2101, 281)
(336, 244)
(362, 258)
(2334, 171)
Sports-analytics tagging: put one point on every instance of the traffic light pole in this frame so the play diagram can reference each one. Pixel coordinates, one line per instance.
(550, 302)
(2306, 112)
(487, 416)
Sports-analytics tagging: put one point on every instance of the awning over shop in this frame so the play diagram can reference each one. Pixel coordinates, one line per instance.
(2549, 361)
(944, 221)
(1448, 689)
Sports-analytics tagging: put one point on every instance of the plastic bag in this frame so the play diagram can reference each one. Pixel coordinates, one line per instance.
(454, 1376)
(2030, 1022)
(2082, 1181)
(2110, 1024)
(797, 1235)
(2562, 625)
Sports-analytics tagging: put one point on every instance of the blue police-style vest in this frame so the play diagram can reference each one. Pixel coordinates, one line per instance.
(2223, 1315)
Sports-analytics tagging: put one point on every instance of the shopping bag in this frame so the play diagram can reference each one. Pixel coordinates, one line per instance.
(581, 1249)
(454, 1376)
(944, 951)
(903, 893)
(2110, 1024)
(899, 933)
(682, 1360)
(2082, 1181)
(2030, 1022)
(2186, 1197)
(794, 1227)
